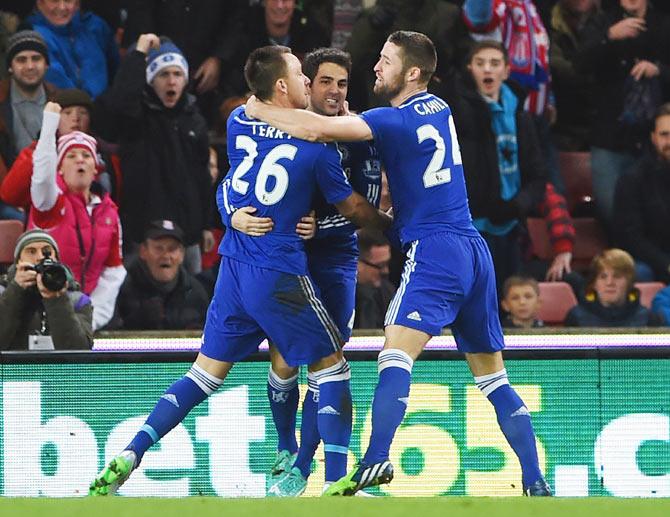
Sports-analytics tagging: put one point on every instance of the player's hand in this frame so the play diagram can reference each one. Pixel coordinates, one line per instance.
(208, 241)
(52, 107)
(148, 41)
(243, 221)
(626, 28)
(207, 75)
(645, 69)
(345, 109)
(46, 293)
(25, 277)
(252, 106)
(306, 228)
(559, 267)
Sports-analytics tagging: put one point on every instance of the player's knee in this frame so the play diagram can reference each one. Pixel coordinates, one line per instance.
(327, 362)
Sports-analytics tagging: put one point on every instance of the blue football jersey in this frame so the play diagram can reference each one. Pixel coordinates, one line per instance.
(278, 175)
(362, 166)
(419, 148)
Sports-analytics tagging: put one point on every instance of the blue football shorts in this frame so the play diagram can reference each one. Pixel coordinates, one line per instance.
(449, 281)
(251, 303)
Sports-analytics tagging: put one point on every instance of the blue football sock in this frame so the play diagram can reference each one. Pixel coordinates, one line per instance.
(309, 429)
(283, 396)
(334, 417)
(172, 408)
(514, 421)
(390, 402)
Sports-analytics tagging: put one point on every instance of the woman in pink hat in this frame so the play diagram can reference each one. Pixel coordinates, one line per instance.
(77, 213)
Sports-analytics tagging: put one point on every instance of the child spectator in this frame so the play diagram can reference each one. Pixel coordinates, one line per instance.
(611, 300)
(521, 301)
(77, 213)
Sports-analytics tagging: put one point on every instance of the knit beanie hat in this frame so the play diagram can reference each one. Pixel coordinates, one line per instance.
(76, 139)
(73, 97)
(167, 55)
(34, 236)
(26, 40)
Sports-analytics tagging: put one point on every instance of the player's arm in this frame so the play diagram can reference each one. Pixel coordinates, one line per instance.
(309, 126)
(357, 209)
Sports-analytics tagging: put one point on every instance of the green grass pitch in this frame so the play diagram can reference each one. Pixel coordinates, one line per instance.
(335, 507)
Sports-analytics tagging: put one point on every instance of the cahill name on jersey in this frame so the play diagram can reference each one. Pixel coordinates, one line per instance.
(419, 148)
(279, 176)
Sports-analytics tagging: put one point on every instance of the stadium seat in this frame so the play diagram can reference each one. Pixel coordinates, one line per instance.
(539, 238)
(10, 230)
(647, 291)
(590, 239)
(576, 173)
(557, 299)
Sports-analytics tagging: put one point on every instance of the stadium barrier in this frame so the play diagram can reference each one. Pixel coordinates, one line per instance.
(601, 413)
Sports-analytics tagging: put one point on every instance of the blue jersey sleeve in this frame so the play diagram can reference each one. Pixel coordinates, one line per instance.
(330, 176)
(226, 209)
(379, 119)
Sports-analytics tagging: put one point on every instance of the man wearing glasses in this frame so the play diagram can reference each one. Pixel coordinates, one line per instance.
(374, 291)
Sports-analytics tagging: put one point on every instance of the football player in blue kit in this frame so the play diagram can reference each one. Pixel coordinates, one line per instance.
(332, 256)
(263, 289)
(448, 279)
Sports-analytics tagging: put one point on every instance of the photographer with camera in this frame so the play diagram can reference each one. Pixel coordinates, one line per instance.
(41, 307)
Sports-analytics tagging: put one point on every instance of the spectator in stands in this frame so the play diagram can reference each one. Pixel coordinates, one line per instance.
(642, 205)
(30, 312)
(374, 292)
(82, 50)
(504, 167)
(611, 300)
(521, 301)
(574, 89)
(661, 305)
(439, 20)
(158, 293)
(9, 23)
(517, 25)
(164, 145)
(77, 213)
(273, 22)
(75, 115)
(23, 94)
(627, 47)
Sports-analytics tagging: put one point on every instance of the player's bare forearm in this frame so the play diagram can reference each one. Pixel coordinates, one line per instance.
(361, 213)
(307, 125)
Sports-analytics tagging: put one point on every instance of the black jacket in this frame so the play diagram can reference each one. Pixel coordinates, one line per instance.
(591, 313)
(611, 62)
(143, 304)
(164, 154)
(642, 214)
(479, 151)
(69, 318)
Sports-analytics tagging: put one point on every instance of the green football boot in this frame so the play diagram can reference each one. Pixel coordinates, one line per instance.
(283, 463)
(113, 475)
(289, 484)
(361, 477)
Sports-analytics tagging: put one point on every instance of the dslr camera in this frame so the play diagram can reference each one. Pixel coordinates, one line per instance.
(54, 274)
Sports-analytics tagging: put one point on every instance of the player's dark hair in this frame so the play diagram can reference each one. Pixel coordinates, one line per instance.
(263, 68)
(417, 50)
(662, 111)
(519, 281)
(485, 44)
(367, 239)
(313, 60)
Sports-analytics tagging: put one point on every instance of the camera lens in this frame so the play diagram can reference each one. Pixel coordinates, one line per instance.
(54, 277)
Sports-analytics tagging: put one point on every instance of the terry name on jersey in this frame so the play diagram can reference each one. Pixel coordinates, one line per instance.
(269, 132)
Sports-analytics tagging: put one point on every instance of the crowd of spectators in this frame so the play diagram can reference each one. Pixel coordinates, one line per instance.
(112, 133)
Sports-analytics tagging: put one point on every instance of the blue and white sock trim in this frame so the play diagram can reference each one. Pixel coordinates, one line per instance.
(312, 385)
(394, 358)
(335, 373)
(491, 382)
(279, 384)
(205, 381)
